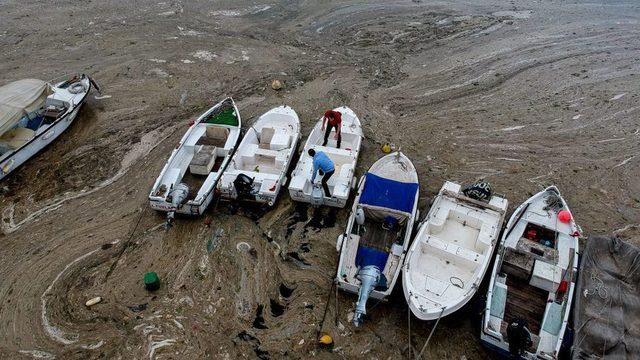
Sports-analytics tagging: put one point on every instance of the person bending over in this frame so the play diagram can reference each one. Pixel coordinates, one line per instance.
(321, 162)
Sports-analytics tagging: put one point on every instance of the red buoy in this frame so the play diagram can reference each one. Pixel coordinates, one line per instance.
(565, 216)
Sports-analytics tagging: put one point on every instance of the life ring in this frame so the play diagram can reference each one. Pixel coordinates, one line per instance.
(76, 88)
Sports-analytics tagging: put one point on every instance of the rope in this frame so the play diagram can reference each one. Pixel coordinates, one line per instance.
(126, 245)
(431, 334)
(409, 326)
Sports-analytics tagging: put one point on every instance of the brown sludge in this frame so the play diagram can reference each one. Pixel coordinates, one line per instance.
(524, 94)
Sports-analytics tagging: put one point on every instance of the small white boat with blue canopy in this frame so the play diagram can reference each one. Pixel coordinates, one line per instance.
(187, 182)
(33, 113)
(258, 169)
(378, 232)
(451, 251)
(531, 288)
(344, 159)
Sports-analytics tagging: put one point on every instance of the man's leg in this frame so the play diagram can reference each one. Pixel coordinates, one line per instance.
(339, 137)
(325, 186)
(327, 132)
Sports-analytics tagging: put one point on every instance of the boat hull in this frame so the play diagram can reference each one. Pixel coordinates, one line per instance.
(348, 245)
(206, 191)
(345, 159)
(451, 252)
(42, 140)
(552, 329)
(267, 183)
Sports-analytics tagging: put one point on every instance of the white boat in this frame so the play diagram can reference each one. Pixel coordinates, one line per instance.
(187, 182)
(378, 231)
(258, 169)
(33, 113)
(533, 277)
(344, 159)
(451, 252)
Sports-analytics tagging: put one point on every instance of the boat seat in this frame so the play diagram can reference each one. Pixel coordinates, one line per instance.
(553, 319)
(217, 133)
(171, 178)
(215, 136)
(436, 222)
(498, 300)
(266, 134)
(485, 235)
(203, 160)
(17, 137)
(280, 140)
(454, 251)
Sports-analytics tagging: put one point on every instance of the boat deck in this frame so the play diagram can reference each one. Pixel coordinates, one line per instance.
(376, 237)
(525, 302)
(195, 181)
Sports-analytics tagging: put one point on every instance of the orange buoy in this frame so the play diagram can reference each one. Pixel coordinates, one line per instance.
(565, 216)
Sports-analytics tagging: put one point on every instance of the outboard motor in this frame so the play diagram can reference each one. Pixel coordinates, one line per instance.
(481, 191)
(369, 277)
(317, 195)
(244, 187)
(178, 197)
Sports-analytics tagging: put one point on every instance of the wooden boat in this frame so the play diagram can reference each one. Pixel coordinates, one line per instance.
(187, 182)
(258, 169)
(451, 252)
(378, 231)
(33, 113)
(345, 160)
(533, 277)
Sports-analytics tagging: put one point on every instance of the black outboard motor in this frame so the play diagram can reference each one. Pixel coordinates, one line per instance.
(244, 187)
(479, 191)
(519, 337)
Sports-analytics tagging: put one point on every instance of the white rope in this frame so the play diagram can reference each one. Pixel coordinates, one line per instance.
(431, 334)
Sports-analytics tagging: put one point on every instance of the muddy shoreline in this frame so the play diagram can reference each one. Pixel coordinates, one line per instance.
(522, 94)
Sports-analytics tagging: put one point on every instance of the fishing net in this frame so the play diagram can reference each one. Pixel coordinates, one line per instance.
(607, 302)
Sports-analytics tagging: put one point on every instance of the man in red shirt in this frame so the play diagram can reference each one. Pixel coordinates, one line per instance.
(332, 119)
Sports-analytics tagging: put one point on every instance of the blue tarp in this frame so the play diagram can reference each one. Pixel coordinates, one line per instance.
(370, 256)
(389, 194)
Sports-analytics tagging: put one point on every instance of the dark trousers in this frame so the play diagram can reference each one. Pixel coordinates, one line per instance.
(327, 132)
(325, 179)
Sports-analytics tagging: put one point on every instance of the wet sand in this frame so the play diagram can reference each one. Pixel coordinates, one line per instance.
(523, 94)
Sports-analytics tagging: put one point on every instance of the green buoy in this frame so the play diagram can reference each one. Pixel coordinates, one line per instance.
(151, 281)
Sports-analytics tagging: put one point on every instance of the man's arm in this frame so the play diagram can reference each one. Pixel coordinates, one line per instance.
(324, 121)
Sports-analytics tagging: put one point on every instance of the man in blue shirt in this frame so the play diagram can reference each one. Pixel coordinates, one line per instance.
(322, 164)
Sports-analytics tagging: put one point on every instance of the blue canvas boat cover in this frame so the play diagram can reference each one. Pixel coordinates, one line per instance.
(389, 194)
(369, 256)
